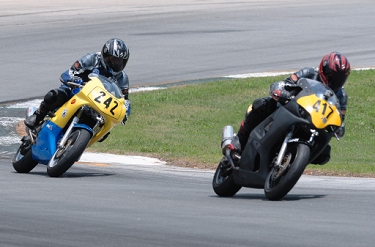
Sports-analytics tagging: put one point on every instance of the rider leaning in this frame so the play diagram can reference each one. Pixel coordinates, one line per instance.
(333, 71)
(110, 63)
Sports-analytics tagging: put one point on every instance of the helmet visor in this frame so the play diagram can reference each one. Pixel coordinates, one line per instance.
(336, 80)
(114, 63)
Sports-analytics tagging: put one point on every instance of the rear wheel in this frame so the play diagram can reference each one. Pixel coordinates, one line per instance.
(24, 163)
(281, 180)
(65, 157)
(223, 182)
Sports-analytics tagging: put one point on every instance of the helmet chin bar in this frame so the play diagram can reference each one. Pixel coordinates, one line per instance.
(112, 72)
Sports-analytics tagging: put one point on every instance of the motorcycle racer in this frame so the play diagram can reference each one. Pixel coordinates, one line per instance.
(333, 71)
(110, 62)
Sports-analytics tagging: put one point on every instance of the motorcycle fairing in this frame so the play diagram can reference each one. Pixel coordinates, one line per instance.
(46, 142)
(255, 160)
(320, 102)
(95, 96)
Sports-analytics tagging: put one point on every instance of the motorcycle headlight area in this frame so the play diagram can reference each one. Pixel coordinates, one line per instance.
(90, 117)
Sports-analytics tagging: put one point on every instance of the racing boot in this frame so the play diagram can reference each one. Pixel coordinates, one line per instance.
(34, 120)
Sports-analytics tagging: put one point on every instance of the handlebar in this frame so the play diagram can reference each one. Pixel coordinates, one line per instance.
(73, 84)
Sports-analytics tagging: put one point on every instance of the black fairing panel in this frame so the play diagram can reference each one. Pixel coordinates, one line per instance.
(252, 169)
(266, 138)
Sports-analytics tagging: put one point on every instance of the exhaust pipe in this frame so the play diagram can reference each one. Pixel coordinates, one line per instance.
(227, 137)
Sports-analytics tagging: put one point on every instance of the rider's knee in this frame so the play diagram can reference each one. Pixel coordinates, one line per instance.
(51, 96)
(259, 105)
(324, 157)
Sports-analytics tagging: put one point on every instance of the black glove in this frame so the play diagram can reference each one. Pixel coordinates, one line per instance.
(279, 93)
(340, 132)
(124, 120)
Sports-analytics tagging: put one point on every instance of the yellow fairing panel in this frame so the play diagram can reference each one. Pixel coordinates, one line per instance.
(322, 113)
(97, 97)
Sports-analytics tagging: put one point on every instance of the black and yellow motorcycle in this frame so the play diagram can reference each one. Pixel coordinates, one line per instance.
(279, 148)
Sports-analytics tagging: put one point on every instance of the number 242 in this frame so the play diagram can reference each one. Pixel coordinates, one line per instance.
(107, 102)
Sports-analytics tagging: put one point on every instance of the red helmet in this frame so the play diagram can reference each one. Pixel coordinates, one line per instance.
(334, 69)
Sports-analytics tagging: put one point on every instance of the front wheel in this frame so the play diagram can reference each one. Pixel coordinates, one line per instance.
(282, 179)
(65, 157)
(223, 182)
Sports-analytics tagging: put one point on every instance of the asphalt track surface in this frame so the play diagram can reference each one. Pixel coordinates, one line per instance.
(151, 204)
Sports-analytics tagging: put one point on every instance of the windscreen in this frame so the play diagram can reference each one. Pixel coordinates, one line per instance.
(110, 85)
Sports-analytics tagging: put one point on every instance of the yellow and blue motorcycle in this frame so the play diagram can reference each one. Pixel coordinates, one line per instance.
(86, 118)
(279, 148)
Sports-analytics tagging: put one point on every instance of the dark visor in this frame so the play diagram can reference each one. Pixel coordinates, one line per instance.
(114, 63)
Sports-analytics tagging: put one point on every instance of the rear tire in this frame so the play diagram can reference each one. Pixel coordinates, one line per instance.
(223, 182)
(279, 183)
(64, 158)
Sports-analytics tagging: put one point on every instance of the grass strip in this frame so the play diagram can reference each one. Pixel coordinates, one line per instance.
(182, 124)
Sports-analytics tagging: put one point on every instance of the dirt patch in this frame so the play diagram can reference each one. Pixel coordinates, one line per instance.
(194, 165)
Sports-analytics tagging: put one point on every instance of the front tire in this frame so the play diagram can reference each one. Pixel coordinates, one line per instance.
(64, 158)
(280, 181)
(223, 182)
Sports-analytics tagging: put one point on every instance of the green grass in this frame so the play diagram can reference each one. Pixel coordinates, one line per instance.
(182, 124)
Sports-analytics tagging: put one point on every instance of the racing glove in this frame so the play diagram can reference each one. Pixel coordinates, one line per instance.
(282, 91)
(279, 93)
(78, 80)
(340, 132)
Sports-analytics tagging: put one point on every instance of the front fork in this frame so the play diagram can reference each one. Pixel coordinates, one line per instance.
(75, 120)
(281, 154)
(288, 139)
(62, 142)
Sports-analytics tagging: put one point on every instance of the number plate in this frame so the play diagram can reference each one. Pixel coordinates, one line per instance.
(108, 104)
(321, 112)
